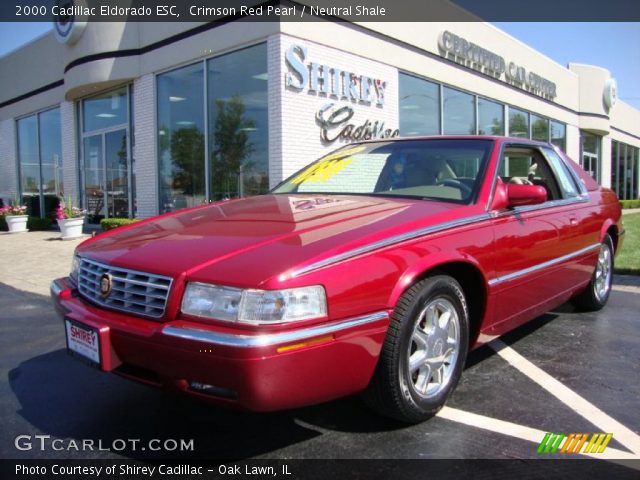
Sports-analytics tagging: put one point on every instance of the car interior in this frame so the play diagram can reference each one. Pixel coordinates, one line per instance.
(525, 166)
(446, 174)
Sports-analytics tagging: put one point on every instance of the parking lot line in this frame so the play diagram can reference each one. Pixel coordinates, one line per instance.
(520, 431)
(593, 414)
(626, 288)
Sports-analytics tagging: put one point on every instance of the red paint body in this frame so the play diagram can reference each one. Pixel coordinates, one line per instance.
(257, 242)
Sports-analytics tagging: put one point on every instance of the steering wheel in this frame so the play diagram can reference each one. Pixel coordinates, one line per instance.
(455, 183)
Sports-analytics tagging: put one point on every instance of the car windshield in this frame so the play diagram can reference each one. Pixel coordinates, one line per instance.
(440, 169)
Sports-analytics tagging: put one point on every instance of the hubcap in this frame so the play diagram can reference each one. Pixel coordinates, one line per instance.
(434, 348)
(602, 283)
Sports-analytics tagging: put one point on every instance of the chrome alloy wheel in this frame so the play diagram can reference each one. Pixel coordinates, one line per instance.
(434, 348)
(604, 268)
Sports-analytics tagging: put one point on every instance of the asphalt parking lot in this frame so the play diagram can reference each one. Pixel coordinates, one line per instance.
(563, 372)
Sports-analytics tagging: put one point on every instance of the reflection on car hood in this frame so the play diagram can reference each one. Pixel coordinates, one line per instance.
(266, 234)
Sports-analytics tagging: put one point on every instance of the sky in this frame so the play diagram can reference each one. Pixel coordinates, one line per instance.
(614, 46)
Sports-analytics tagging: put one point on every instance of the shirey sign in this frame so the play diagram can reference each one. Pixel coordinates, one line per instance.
(340, 85)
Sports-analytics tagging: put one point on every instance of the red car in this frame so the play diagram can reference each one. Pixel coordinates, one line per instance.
(375, 269)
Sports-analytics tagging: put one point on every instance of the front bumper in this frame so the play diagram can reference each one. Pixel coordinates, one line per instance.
(260, 372)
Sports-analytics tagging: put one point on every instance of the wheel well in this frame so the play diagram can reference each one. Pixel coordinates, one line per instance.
(613, 233)
(473, 286)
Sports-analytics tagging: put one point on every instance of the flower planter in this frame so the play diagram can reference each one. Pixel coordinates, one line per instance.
(70, 228)
(17, 223)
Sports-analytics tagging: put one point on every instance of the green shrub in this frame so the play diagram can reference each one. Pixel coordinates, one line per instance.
(630, 203)
(38, 224)
(3, 225)
(111, 223)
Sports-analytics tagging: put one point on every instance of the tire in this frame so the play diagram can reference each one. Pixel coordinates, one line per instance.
(416, 372)
(595, 296)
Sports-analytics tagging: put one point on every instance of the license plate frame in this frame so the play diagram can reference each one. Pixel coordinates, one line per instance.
(77, 334)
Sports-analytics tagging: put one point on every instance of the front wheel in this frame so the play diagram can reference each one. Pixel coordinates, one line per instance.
(424, 351)
(597, 293)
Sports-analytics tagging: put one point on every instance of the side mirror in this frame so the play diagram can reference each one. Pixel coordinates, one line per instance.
(520, 195)
(508, 195)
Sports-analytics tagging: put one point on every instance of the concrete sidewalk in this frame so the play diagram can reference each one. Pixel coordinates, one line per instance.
(31, 260)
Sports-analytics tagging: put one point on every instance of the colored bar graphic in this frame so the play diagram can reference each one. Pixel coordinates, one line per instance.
(573, 442)
(550, 442)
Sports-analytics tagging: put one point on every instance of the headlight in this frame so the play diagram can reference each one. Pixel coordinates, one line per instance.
(254, 306)
(75, 268)
(212, 301)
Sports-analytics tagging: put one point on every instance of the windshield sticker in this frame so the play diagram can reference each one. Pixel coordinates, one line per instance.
(327, 167)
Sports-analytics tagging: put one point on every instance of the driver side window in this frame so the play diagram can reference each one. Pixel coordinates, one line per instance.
(527, 166)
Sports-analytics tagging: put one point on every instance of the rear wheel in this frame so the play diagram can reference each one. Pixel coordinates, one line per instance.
(424, 352)
(597, 293)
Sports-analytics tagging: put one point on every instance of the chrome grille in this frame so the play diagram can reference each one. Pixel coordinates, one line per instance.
(133, 292)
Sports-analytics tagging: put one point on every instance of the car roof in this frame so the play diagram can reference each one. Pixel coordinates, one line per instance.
(495, 138)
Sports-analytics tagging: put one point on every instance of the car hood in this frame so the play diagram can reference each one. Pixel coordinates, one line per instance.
(245, 242)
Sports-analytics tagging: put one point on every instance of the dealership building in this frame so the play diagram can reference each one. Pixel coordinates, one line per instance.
(136, 119)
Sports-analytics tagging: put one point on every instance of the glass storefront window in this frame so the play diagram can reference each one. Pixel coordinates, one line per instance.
(181, 137)
(29, 162)
(629, 172)
(590, 160)
(558, 134)
(238, 123)
(622, 156)
(459, 113)
(518, 123)
(539, 128)
(419, 106)
(490, 117)
(40, 157)
(625, 166)
(105, 110)
(236, 109)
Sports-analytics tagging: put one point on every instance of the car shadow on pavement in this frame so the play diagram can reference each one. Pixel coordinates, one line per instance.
(64, 398)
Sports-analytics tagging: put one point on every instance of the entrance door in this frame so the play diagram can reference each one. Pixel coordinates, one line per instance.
(94, 182)
(117, 176)
(106, 175)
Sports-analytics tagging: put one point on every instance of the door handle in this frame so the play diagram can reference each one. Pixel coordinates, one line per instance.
(573, 221)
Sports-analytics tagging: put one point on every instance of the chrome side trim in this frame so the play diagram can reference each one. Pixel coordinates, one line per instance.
(390, 241)
(266, 340)
(540, 266)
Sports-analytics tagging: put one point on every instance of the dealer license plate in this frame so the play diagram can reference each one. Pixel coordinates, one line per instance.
(83, 341)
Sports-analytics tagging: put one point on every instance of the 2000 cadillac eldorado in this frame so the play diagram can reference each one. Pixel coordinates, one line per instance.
(375, 269)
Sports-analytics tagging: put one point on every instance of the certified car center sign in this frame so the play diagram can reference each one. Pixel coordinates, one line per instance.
(69, 20)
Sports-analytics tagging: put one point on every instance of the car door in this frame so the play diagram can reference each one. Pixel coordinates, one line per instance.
(531, 242)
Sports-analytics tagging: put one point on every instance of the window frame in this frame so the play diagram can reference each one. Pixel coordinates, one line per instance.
(36, 114)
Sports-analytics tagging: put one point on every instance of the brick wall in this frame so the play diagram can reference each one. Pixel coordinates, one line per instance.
(70, 171)
(293, 130)
(144, 149)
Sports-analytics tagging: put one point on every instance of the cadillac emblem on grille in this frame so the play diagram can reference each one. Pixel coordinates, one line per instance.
(106, 284)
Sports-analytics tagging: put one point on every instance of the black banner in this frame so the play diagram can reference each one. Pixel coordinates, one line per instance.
(316, 10)
(317, 469)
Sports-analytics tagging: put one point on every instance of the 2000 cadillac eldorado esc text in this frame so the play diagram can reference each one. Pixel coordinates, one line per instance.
(375, 269)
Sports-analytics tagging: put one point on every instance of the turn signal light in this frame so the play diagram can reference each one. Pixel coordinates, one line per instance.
(306, 343)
